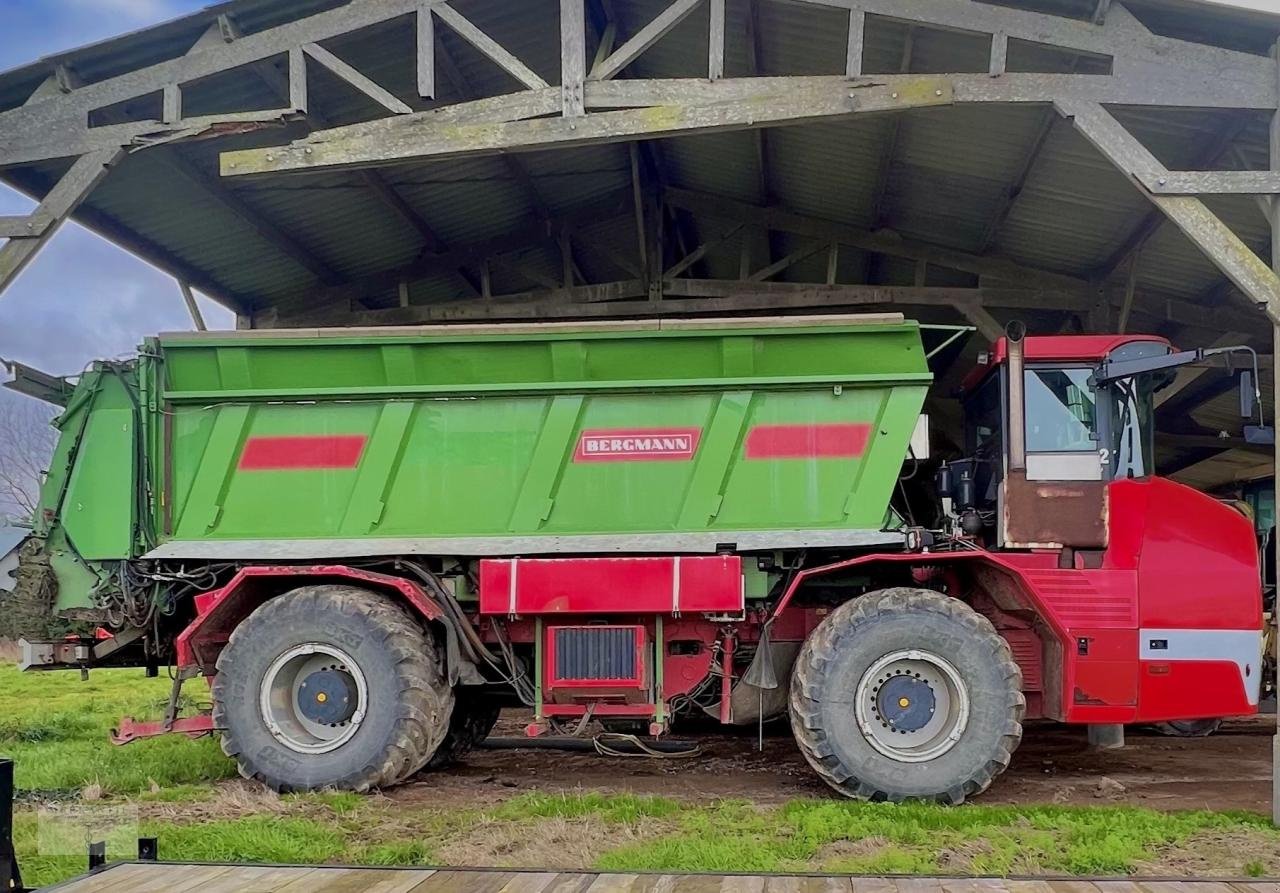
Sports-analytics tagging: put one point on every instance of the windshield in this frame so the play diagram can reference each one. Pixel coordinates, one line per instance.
(1133, 428)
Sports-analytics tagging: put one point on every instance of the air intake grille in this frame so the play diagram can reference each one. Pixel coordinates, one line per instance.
(596, 654)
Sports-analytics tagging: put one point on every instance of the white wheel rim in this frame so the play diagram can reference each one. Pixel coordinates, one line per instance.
(306, 698)
(912, 706)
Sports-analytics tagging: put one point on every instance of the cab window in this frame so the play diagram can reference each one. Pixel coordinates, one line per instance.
(1061, 411)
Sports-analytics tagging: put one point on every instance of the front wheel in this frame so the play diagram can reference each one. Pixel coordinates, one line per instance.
(331, 687)
(907, 694)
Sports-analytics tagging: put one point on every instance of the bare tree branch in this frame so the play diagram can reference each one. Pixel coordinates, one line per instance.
(26, 445)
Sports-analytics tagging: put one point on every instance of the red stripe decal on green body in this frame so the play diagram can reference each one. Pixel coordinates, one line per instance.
(833, 441)
(304, 451)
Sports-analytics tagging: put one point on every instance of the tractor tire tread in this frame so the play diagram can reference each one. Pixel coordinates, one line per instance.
(424, 691)
(819, 650)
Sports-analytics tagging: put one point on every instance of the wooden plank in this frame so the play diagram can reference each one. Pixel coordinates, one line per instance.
(489, 47)
(573, 57)
(264, 879)
(162, 878)
(447, 881)
(426, 35)
(613, 883)
(715, 45)
(801, 884)
(406, 139)
(571, 882)
(361, 82)
(857, 36)
(742, 884)
(298, 97)
(530, 882)
(113, 880)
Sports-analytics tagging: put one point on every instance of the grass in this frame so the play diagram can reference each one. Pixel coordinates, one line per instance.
(56, 728)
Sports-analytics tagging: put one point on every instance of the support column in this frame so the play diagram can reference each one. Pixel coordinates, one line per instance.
(1275, 341)
(1106, 736)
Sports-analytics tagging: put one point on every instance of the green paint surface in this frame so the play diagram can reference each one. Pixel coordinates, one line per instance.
(474, 435)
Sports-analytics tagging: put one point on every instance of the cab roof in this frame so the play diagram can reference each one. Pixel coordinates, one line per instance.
(1054, 349)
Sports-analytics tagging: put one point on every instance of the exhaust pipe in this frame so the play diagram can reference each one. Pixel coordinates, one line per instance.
(1015, 332)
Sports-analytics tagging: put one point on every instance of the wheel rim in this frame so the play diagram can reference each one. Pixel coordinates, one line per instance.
(314, 698)
(912, 706)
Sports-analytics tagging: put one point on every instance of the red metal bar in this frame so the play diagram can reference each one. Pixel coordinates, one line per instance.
(191, 726)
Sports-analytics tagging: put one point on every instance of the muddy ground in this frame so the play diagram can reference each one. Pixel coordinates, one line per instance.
(1230, 770)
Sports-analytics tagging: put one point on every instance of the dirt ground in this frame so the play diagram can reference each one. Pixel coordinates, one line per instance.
(1230, 770)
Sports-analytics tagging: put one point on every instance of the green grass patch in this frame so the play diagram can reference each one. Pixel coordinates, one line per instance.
(923, 839)
(56, 727)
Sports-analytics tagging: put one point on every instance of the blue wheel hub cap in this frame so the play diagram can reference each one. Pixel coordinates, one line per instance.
(327, 696)
(906, 703)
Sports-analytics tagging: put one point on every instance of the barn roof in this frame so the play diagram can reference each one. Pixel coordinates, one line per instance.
(1008, 201)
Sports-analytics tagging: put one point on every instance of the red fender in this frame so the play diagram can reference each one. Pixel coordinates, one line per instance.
(219, 611)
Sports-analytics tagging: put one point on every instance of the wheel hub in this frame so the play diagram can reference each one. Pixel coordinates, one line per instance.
(314, 698)
(906, 703)
(912, 705)
(327, 696)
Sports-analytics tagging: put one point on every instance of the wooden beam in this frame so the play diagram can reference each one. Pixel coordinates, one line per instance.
(855, 49)
(644, 38)
(1213, 237)
(715, 43)
(988, 326)
(773, 105)
(1222, 143)
(189, 298)
(57, 207)
(573, 57)
(489, 47)
(361, 82)
(791, 259)
(628, 299)
(425, 34)
(889, 151)
(700, 252)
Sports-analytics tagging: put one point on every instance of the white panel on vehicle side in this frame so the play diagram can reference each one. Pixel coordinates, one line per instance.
(1064, 467)
(1242, 647)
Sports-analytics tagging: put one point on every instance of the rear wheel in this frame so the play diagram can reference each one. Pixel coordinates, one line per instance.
(907, 694)
(1189, 728)
(474, 717)
(331, 687)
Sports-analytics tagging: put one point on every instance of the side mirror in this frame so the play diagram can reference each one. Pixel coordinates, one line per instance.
(1260, 435)
(1247, 405)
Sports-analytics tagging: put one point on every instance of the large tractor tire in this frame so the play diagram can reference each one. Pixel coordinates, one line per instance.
(473, 719)
(331, 687)
(907, 694)
(1189, 728)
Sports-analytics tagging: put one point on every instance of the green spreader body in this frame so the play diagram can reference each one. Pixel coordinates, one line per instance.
(682, 437)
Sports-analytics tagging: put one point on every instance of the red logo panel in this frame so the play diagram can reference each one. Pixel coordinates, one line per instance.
(638, 445)
(302, 452)
(834, 441)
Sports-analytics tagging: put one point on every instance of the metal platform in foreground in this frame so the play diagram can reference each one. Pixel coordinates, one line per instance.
(160, 877)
